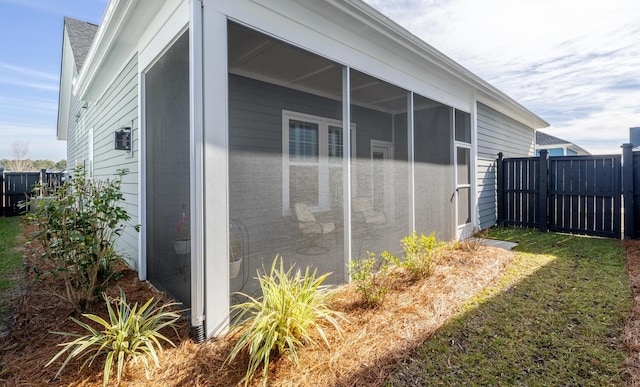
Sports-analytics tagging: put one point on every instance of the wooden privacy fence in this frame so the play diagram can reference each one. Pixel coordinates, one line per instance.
(589, 195)
(16, 187)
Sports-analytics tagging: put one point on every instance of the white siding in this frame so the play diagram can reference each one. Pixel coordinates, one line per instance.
(76, 135)
(115, 108)
(497, 133)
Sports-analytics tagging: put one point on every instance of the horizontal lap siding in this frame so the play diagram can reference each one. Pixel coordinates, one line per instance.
(76, 137)
(497, 133)
(486, 192)
(118, 107)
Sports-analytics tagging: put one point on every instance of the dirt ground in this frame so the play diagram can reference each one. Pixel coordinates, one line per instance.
(373, 342)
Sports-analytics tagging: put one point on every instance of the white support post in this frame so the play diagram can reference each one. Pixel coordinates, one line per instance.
(346, 163)
(196, 140)
(411, 161)
(475, 218)
(215, 171)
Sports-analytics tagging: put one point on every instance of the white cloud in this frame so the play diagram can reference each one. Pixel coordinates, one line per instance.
(32, 73)
(573, 63)
(27, 77)
(14, 106)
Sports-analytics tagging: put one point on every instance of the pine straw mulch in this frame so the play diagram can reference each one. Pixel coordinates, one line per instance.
(373, 342)
(632, 326)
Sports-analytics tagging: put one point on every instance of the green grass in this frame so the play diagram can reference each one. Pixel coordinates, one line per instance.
(555, 318)
(10, 255)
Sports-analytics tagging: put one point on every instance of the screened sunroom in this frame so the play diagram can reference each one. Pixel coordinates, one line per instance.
(318, 131)
(303, 187)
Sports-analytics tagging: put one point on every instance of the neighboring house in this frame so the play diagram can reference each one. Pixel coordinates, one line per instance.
(557, 146)
(230, 116)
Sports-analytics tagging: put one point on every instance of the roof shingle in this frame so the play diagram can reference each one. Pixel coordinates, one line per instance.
(81, 36)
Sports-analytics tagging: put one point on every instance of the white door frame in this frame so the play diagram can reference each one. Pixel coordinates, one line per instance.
(465, 230)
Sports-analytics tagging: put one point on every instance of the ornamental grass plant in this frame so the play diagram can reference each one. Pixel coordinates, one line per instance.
(286, 316)
(131, 333)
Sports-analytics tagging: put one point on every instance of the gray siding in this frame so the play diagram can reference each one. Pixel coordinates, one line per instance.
(117, 107)
(497, 133)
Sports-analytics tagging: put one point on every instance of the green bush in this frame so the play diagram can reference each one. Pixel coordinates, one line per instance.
(290, 309)
(130, 334)
(373, 276)
(77, 226)
(421, 254)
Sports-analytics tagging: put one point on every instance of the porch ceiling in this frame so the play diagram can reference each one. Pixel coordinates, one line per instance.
(255, 55)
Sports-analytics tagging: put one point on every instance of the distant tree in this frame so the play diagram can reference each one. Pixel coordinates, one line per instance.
(43, 164)
(19, 163)
(61, 165)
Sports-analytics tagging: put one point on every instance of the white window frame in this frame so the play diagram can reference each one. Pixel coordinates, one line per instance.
(323, 163)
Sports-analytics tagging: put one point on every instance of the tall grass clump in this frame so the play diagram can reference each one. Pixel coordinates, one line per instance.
(284, 318)
(131, 333)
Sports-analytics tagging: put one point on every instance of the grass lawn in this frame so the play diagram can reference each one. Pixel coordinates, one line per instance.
(10, 254)
(10, 262)
(555, 318)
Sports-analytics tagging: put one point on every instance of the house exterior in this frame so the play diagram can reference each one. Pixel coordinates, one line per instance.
(557, 146)
(235, 115)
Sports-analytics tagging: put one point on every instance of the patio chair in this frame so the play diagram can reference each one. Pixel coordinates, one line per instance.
(364, 207)
(312, 229)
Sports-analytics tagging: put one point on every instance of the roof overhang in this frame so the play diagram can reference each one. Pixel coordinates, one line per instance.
(485, 92)
(116, 40)
(67, 74)
(125, 21)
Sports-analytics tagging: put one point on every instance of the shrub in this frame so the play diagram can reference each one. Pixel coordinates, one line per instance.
(421, 254)
(284, 317)
(130, 333)
(372, 276)
(77, 227)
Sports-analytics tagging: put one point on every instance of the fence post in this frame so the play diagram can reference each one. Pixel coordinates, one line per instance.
(627, 190)
(500, 189)
(543, 167)
(43, 181)
(2, 201)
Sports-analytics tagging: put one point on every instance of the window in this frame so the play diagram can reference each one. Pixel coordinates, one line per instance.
(312, 161)
(303, 141)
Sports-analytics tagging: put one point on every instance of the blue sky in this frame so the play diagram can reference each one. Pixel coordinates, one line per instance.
(575, 63)
(31, 45)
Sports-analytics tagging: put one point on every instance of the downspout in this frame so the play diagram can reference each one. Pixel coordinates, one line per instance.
(196, 144)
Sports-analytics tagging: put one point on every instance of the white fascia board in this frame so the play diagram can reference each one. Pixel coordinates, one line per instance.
(168, 24)
(123, 23)
(67, 72)
(99, 46)
(412, 42)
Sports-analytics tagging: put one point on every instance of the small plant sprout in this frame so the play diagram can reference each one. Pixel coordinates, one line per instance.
(421, 254)
(131, 333)
(283, 318)
(373, 276)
